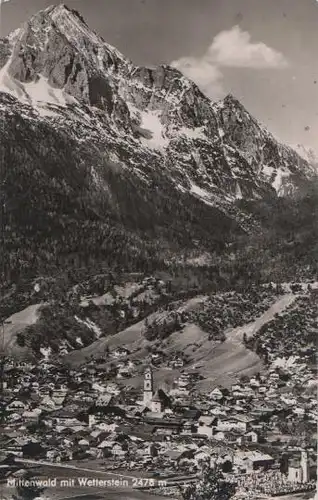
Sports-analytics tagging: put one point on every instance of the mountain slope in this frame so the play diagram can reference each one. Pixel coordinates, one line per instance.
(117, 163)
(307, 154)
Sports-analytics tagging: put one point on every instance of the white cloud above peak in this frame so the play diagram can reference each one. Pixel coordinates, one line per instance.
(232, 49)
(202, 72)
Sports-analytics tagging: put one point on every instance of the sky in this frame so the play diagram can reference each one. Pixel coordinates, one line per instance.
(264, 52)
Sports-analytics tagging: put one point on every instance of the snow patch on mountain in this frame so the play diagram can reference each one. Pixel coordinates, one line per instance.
(269, 172)
(221, 132)
(277, 178)
(41, 91)
(150, 121)
(238, 193)
(207, 197)
(141, 120)
(279, 181)
(37, 94)
(194, 133)
(201, 193)
(212, 198)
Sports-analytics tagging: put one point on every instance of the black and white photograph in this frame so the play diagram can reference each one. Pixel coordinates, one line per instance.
(158, 249)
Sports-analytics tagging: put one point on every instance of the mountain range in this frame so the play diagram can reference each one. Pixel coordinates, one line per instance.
(105, 161)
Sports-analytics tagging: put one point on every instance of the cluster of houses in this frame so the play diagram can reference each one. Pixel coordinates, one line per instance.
(55, 414)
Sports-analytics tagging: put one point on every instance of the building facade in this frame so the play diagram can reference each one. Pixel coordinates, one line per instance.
(148, 386)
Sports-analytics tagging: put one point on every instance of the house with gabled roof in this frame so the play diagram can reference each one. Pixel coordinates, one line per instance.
(32, 415)
(216, 394)
(16, 406)
(47, 404)
(207, 425)
(65, 418)
(119, 449)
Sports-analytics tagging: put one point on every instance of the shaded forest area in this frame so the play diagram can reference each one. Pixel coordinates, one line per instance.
(55, 224)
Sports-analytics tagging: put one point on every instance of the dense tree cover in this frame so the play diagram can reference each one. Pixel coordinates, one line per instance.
(64, 317)
(54, 215)
(232, 309)
(293, 333)
(56, 324)
(215, 315)
(287, 249)
(57, 224)
(161, 329)
(70, 320)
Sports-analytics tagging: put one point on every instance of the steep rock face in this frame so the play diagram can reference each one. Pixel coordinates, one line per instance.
(56, 49)
(180, 101)
(126, 143)
(55, 53)
(271, 161)
(55, 41)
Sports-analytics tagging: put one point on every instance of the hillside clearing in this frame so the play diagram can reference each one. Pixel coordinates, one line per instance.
(17, 323)
(219, 363)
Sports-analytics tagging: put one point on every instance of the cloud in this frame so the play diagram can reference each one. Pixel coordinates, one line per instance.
(232, 49)
(206, 75)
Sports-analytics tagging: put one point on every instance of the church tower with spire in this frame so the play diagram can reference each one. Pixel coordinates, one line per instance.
(304, 466)
(148, 386)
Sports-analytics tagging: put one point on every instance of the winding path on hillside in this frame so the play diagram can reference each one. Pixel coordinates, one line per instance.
(250, 329)
(230, 359)
(219, 364)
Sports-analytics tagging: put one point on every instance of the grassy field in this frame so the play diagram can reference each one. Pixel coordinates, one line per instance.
(17, 323)
(217, 362)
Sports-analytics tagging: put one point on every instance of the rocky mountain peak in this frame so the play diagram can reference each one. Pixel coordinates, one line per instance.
(61, 10)
(231, 100)
(143, 117)
(59, 28)
(230, 109)
(56, 58)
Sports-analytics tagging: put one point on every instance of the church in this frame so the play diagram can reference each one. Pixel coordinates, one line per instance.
(155, 401)
(303, 468)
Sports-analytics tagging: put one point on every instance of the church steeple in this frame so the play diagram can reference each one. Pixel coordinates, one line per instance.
(148, 386)
(304, 466)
